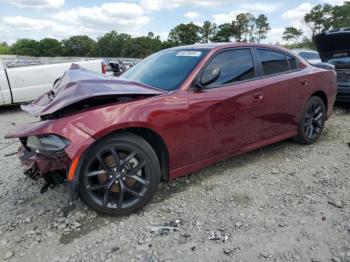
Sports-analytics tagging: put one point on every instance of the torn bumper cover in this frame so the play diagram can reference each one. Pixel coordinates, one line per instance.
(37, 166)
(37, 155)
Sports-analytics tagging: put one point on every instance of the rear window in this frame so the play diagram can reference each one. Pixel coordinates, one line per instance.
(273, 62)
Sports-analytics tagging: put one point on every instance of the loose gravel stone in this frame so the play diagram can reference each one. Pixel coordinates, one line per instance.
(8, 255)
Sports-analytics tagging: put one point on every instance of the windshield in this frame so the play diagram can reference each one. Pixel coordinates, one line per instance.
(166, 69)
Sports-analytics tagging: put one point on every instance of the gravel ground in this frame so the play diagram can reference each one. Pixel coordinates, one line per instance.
(285, 202)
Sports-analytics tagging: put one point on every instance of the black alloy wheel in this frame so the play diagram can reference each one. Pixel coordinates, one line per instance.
(312, 122)
(119, 174)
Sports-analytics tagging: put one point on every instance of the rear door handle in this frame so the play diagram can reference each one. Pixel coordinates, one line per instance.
(258, 96)
(304, 83)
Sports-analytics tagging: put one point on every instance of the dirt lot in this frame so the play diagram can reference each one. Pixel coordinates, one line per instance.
(285, 202)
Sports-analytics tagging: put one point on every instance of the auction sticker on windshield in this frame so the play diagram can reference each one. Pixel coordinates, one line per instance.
(189, 53)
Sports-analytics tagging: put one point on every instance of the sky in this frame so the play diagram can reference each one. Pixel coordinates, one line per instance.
(61, 19)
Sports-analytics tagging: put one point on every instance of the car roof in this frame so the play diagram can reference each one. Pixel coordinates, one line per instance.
(304, 50)
(211, 46)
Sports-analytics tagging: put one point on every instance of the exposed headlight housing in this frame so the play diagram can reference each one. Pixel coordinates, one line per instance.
(47, 144)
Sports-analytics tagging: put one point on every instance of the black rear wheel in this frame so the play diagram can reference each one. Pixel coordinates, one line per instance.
(119, 174)
(312, 122)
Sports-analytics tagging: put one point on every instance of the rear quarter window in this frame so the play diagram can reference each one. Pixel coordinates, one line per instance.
(273, 62)
(292, 61)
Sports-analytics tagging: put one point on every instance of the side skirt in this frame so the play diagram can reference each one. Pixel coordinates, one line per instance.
(182, 171)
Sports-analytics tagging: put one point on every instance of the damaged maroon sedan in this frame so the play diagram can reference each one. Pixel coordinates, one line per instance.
(179, 110)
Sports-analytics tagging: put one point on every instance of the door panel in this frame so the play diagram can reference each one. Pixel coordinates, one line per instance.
(284, 89)
(227, 118)
(284, 96)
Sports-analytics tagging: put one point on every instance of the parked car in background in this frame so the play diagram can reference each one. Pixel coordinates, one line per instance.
(117, 67)
(313, 58)
(21, 82)
(334, 48)
(173, 113)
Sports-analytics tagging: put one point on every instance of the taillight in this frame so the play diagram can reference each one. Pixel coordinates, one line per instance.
(103, 67)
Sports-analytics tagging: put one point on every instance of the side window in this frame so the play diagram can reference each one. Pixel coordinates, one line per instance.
(273, 62)
(234, 65)
(292, 63)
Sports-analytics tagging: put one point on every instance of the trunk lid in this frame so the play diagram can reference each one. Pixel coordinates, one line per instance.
(333, 43)
(334, 48)
(78, 84)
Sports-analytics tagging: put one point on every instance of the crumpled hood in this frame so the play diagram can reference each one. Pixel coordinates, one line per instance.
(332, 42)
(78, 84)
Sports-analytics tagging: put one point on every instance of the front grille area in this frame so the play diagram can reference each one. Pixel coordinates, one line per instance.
(343, 76)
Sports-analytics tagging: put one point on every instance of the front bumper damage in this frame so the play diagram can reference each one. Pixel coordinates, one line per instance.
(38, 166)
(54, 169)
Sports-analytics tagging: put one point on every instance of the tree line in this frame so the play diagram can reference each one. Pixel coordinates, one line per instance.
(245, 27)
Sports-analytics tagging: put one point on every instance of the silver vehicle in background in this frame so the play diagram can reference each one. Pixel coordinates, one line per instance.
(23, 80)
(313, 57)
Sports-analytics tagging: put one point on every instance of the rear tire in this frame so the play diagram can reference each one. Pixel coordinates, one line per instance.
(119, 174)
(312, 121)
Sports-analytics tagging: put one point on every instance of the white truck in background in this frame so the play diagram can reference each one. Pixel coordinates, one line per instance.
(20, 84)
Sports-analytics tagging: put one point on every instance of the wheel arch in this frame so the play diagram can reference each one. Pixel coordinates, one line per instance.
(154, 139)
(323, 96)
(158, 144)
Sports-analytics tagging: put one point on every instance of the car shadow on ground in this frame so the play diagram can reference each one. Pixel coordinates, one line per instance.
(170, 189)
(343, 106)
(10, 109)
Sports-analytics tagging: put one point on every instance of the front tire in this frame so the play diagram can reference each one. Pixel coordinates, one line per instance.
(312, 121)
(119, 174)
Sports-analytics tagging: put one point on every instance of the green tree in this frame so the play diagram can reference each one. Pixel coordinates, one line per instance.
(341, 16)
(113, 44)
(28, 47)
(320, 18)
(242, 27)
(224, 33)
(325, 17)
(4, 49)
(262, 27)
(50, 47)
(245, 28)
(80, 45)
(207, 31)
(292, 34)
(305, 43)
(185, 34)
(143, 46)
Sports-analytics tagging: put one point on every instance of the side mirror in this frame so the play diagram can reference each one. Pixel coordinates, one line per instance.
(208, 77)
